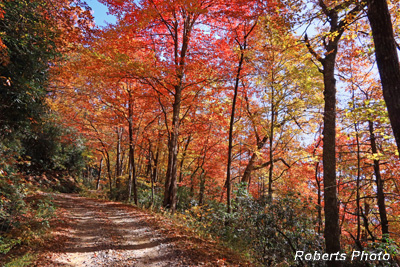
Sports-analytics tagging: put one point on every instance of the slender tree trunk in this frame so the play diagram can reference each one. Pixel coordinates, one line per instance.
(365, 219)
(118, 163)
(171, 181)
(149, 161)
(168, 174)
(119, 152)
(132, 175)
(387, 60)
(108, 169)
(202, 187)
(149, 172)
(319, 197)
(331, 208)
(358, 184)
(231, 124)
(332, 228)
(242, 48)
(132, 168)
(99, 176)
(379, 185)
(183, 158)
(180, 51)
(271, 142)
(152, 191)
(155, 172)
(139, 164)
(118, 156)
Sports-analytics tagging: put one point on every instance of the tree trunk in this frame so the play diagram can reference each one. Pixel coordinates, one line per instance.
(387, 60)
(171, 181)
(319, 197)
(132, 168)
(155, 166)
(118, 163)
(242, 48)
(366, 224)
(108, 169)
(271, 142)
(331, 208)
(250, 165)
(249, 168)
(332, 228)
(99, 176)
(202, 187)
(183, 158)
(232, 121)
(379, 185)
(149, 170)
(358, 185)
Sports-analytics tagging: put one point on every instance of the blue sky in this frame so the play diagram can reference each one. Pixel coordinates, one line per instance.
(100, 13)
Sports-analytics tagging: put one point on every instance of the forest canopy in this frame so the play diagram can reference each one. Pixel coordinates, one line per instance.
(274, 125)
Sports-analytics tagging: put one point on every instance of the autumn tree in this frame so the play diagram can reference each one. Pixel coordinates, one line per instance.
(387, 60)
(338, 15)
(173, 30)
(288, 87)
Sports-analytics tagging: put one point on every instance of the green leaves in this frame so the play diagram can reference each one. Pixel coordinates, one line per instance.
(29, 48)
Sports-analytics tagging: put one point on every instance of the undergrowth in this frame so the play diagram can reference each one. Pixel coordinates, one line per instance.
(260, 229)
(24, 215)
(267, 232)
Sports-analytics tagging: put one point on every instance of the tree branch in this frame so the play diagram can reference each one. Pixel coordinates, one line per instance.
(269, 163)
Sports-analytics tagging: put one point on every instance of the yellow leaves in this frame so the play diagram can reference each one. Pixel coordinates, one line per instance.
(351, 36)
(332, 35)
(375, 156)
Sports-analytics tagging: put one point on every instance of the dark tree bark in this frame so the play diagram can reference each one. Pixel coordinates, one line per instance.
(365, 214)
(107, 156)
(249, 168)
(232, 121)
(250, 165)
(332, 229)
(132, 167)
(337, 28)
(180, 51)
(202, 187)
(246, 178)
(387, 60)
(379, 184)
(149, 160)
(118, 168)
(149, 171)
(319, 191)
(171, 181)
(242, 47)
(358, 188)
(99, 176)
(319, 198)
(271, 143)
(183, 158)
(155, 165)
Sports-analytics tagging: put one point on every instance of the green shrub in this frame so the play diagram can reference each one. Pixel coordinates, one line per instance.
(268, 231)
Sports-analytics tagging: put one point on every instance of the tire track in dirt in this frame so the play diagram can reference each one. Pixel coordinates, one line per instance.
(107, 234)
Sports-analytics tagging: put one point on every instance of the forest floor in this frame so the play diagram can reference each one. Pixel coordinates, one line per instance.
(92, 232)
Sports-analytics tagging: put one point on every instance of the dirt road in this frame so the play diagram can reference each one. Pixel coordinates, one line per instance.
(101, 233)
